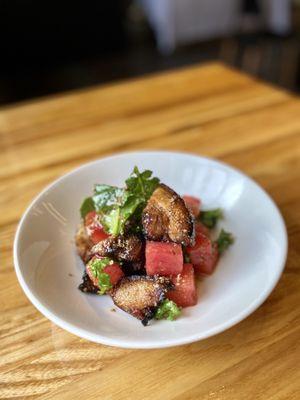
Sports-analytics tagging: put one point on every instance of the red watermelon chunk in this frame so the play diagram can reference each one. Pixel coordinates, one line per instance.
(115, 273)
(200, 228)
(193, 203)
(163, 258)
(185, 292)
(113, 270)
(94, 228)
(204, 254)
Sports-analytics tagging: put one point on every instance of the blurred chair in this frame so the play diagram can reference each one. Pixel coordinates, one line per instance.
(183, 21)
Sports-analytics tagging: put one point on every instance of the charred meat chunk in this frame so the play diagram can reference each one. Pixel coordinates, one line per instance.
(122, 248)
(87, 285)
(83, 244)
(166, 218)
(140, 295)
(134, 267)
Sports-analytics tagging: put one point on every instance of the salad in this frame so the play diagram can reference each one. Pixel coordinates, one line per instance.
(144, 246)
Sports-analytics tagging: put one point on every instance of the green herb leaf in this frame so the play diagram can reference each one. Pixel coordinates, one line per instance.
(87, 206)
(224, 240)
(111, 221)
(115, 218)
(97, 266)
(104, 283)
(167, 310)
(140, 184)
(210, 218)
(116, 206)
(128, 209)
(106, 196)
(186, 257)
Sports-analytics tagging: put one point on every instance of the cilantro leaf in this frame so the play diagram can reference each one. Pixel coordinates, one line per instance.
(97, 266)
(104, 283)
(141, 184)
(116, 206)
(119, 205)
(225, 239)
(167, 310)
(210, 218)
(86, 206)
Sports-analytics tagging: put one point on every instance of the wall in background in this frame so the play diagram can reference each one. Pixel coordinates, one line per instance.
(52, 46)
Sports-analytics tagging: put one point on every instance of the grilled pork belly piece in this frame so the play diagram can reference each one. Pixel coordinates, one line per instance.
(134, 268)
(140, 295)
(122, 247)
(166, 218)
(83, 243)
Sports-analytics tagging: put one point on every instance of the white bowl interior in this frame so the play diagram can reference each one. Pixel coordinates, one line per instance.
(49, 269)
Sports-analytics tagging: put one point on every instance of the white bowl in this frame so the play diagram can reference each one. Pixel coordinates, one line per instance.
(49, 269)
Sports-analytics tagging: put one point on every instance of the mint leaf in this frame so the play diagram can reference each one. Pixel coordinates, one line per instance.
(86, 206)
(115, 218)
(97, 266)
(210, 218)
(224, 240)
(111, 221)
(128, 209)
(167, 310)
(105, 196)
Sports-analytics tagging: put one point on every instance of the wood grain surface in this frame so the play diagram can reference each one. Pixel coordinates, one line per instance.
(208, 110)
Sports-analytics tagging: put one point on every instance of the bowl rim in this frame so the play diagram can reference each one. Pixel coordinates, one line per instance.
(98, 338)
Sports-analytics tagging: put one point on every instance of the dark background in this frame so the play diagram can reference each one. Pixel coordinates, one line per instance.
(51, 46)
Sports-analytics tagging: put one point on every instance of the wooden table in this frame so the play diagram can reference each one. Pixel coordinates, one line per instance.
(210, 110)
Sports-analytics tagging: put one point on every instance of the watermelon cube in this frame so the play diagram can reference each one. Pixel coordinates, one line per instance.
(185, 292)
(113, 270)
(94, 228)
(193, 203)
(200, 228)
(115, 273)
(204, 254)
(163, 258)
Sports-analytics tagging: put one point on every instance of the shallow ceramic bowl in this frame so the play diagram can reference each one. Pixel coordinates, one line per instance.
(49, 269)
